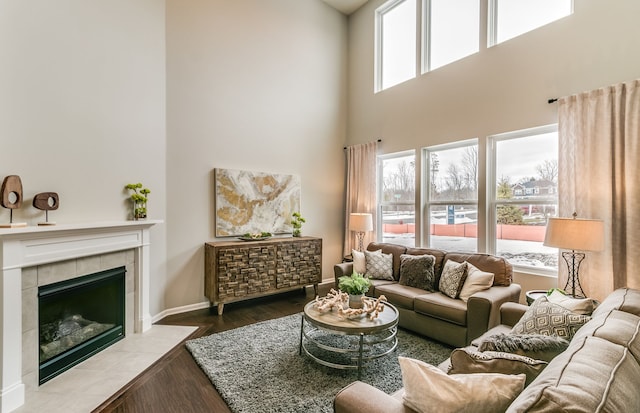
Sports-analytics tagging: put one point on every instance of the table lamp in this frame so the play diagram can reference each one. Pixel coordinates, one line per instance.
(574, 234)
(360, 223)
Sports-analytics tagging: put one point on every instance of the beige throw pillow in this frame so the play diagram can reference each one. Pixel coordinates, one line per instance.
(543, 317)
(576, 305)
(429, 389)
(452, 278)
(359, 261)
(476, 281)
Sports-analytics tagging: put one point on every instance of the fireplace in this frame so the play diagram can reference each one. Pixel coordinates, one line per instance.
(78, 318)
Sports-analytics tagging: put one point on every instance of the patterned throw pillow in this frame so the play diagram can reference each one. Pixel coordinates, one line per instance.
(536, 346)
(452, 278)
(379, 265)
(548, 318)
(418, 271)
(467, 361)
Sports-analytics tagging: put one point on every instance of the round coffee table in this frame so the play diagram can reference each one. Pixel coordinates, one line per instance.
(346, 343)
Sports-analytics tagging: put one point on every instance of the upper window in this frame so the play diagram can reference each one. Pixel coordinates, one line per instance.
(511, 18)
(451, 31)
(398, 198)
(452, 196)
(524, 196)
(395, 43)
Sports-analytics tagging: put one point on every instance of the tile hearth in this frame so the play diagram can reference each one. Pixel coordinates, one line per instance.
(90, 383)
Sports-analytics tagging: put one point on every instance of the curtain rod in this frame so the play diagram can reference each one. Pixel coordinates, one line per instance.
(379, 140)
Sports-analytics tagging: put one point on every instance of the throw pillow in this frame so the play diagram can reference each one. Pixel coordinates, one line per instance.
(452, 278)
(536, 346)
(576, 305)
(379, 265)
(476, 281)
(359, 261)
(418, 271)
(428, 389)
(543, 317)
(466, 361)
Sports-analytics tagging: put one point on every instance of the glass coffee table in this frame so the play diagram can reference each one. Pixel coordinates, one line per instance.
(346, 343)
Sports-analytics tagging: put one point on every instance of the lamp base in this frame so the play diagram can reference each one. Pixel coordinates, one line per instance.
(573, 260)
(360, 236)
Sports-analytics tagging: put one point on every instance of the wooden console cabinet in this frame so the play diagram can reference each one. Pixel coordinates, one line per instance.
(239, 270)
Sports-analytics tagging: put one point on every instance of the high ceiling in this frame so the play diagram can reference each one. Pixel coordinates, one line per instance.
(345, 6)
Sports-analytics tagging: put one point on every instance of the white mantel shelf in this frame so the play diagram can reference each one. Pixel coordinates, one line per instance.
(36, 245)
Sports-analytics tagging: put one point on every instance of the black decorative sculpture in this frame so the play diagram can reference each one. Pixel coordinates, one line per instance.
(46, 201)
(11, 192)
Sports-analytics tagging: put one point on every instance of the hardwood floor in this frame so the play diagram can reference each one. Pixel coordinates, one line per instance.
(176, 383)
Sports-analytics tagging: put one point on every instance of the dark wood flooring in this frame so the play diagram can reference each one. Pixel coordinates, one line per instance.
(175, 383)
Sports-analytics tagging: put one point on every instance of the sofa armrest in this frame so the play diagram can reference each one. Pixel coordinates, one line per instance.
(359, 397)
(483, 308)
(344, 268)
(511, 313)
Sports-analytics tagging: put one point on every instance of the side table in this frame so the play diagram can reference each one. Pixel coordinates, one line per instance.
(532, 295)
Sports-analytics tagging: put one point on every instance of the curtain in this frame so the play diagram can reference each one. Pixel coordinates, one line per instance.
(599, 145)
(361, 190)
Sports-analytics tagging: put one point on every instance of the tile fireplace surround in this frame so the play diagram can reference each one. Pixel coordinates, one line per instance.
(24, 249)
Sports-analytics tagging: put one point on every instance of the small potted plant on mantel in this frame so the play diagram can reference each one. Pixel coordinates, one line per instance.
(356, 285)
(139, 200)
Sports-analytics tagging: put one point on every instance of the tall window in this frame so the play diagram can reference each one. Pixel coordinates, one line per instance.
(511, 18)
(395, 43)
(451, 31)
(452, 196)
(398, 197)
(524, 195)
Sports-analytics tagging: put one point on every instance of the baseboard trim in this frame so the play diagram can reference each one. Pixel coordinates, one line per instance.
(180, 310)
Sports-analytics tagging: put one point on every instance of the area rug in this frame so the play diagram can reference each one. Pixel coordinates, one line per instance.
(257, 368)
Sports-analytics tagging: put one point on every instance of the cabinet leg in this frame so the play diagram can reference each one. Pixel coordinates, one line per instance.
(220, 308)
(315, 290)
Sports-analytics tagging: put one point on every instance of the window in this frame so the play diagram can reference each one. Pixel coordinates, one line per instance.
(398, 196)
(524, 195)
(395, 43)
(451, 31)
(511, 18)
(452, 196)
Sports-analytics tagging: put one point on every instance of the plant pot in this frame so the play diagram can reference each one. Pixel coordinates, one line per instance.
(355, 300)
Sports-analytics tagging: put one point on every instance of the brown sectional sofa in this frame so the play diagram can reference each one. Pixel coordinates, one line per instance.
(598, 372)
(435, 315)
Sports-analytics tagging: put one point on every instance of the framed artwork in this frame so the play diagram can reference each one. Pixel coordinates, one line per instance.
(250, 202)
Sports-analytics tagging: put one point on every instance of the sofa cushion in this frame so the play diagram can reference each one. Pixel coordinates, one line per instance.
(440, 306)
(467, 361)
(401, 296)
(378, 283)
(501, 268)
(622, 299)
(387, 248)
(438, 254)
(379, 266)
(476, 280)
(536, 346)
(592, 375)
(547, 318)
(418, 271)
(428, 389)
(618, 327)
(575, 305)
(452, 278)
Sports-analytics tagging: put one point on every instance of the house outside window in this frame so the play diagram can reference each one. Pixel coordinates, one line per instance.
(397, 194)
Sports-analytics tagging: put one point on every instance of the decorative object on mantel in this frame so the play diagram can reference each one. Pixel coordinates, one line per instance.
(46, 201)
(139, 199)
(574, 234)
(11, 199)
(297, 220)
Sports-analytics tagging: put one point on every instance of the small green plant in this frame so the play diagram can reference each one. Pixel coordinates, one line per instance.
(354, 284)
(139, 198)
(297, 220)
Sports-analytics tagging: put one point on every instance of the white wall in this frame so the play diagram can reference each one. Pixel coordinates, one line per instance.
(82, 109)
(499, 89)
(256, 85)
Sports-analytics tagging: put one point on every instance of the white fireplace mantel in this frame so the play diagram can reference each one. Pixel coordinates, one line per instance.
(30, 246)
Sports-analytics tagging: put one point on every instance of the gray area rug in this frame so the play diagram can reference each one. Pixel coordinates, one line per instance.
(257, 368)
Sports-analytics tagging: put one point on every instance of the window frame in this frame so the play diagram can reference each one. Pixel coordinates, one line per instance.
(381, 203)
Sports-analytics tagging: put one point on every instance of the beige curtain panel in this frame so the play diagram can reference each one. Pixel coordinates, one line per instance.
(599, 145)
(361, 190)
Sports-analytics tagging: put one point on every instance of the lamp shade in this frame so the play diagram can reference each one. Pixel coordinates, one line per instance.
(360, 222)
(575, 234)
